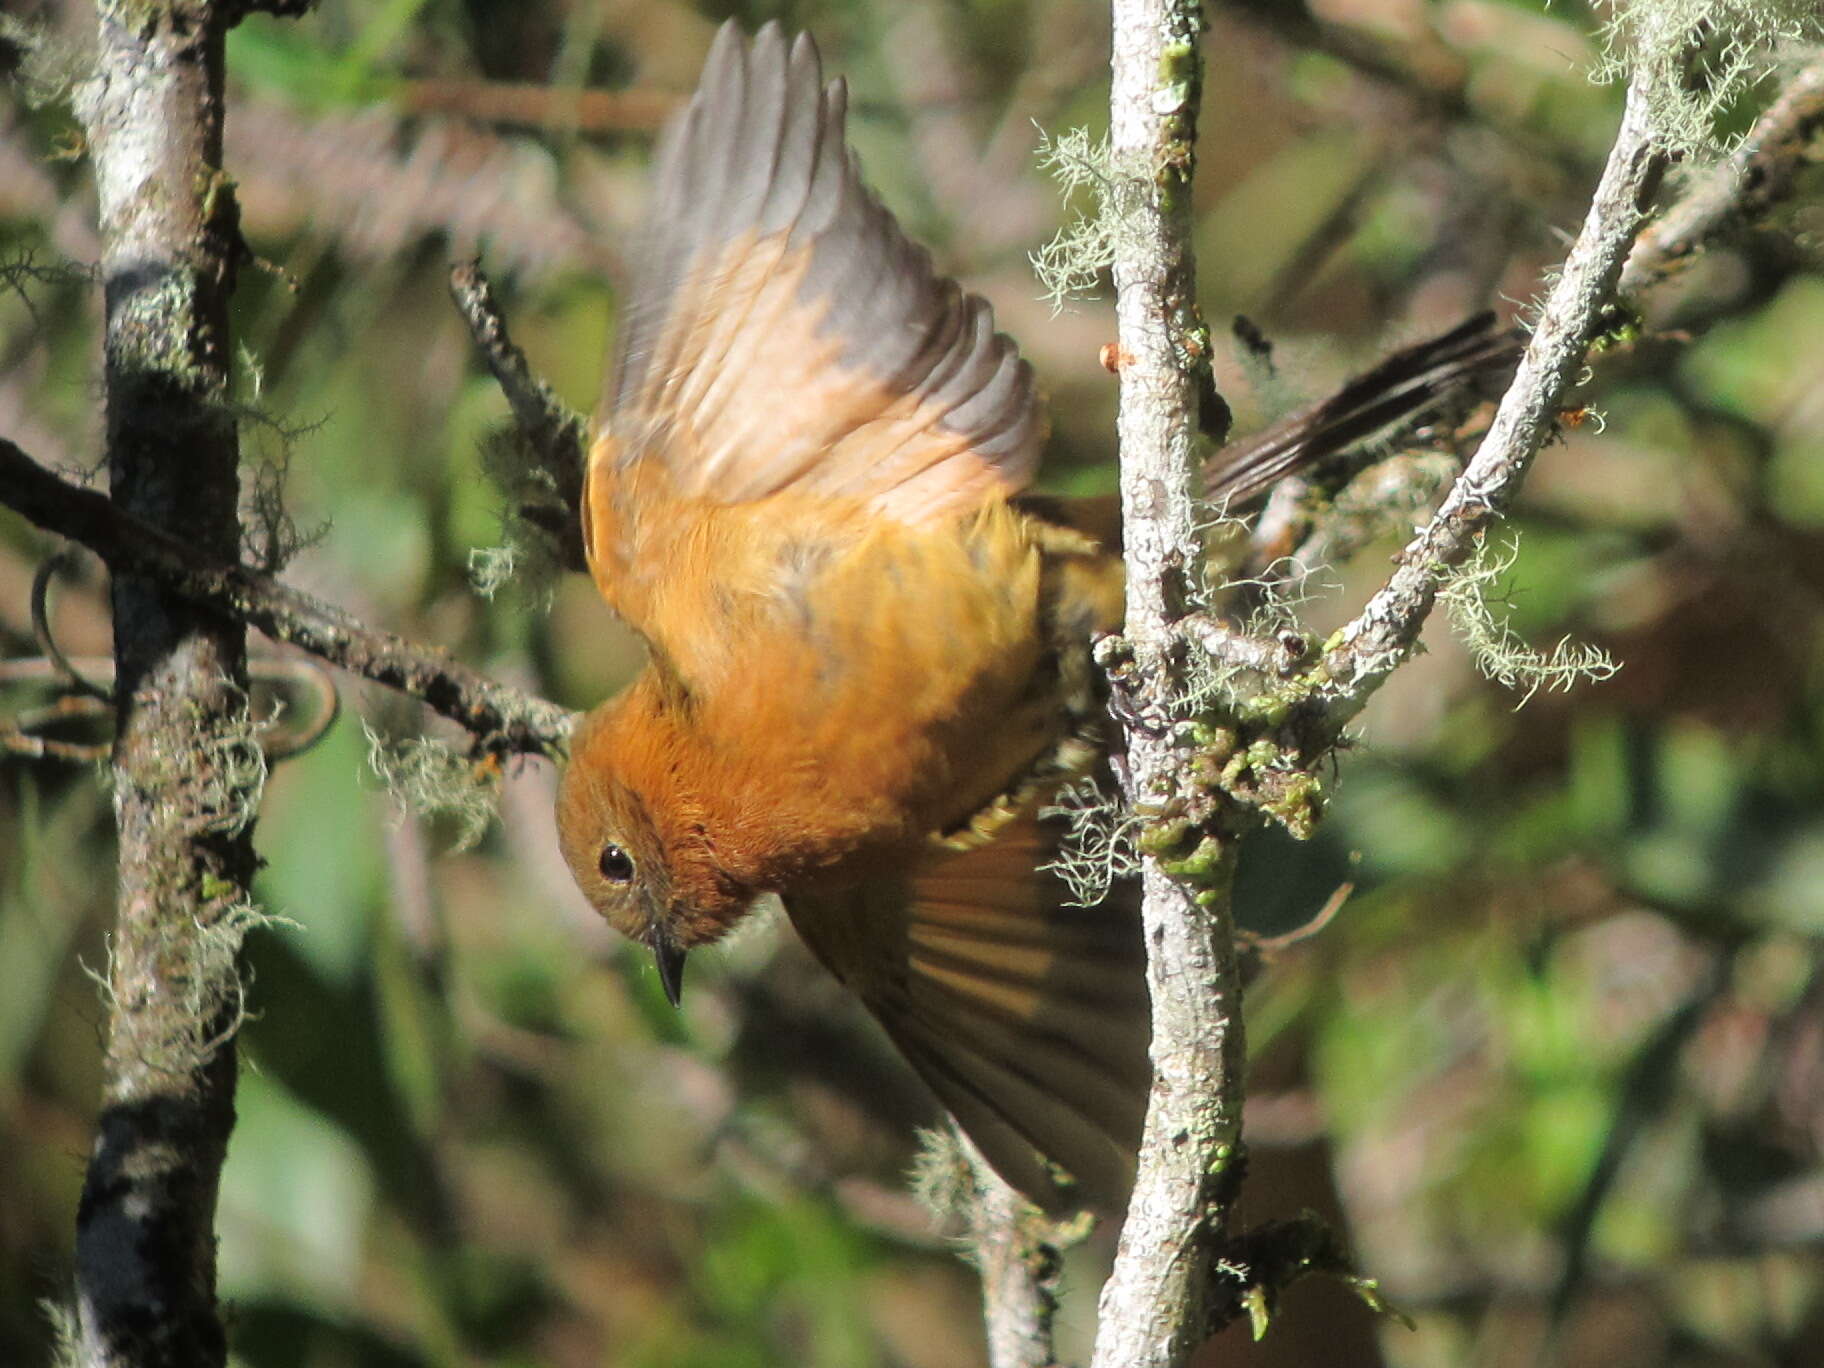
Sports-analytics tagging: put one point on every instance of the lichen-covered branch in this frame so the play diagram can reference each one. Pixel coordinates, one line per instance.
(187, 778)
(556, 435)
(1020, 1268)
(1384, 633)
(1299, 529)
(503, 720)
(1754, 179)
(1152, 1307)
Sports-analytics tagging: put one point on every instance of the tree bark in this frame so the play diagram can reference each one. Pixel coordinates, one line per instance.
(1152, 1307)
(186, 768)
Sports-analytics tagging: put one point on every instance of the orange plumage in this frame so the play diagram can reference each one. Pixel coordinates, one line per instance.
(868, 655)
(867, 666)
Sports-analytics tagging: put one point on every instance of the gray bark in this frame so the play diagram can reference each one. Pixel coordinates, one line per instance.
(186, 771)
(1152, 1307)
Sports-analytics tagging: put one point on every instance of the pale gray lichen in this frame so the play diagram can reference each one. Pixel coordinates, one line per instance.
(50, 64)
(434, 779)
(1097, 848)
(66, 1333)
(1072, 264)
(1738, 42)
(1498, 652)
(943, 1178)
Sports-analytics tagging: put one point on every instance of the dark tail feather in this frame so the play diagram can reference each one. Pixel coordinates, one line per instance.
(1399, 387)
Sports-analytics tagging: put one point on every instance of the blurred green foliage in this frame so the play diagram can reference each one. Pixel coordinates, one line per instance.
(1557, 1068)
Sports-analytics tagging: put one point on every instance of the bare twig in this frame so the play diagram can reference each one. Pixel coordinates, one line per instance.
(47, 640)
(18, 735)
(1152, 1309)
(502, 719)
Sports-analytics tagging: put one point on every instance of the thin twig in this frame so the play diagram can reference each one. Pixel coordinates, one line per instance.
(18, 735)
(502, 719)
(47, 640)
(278, 735)
(1757, 176)
(555, 433)
(1386, 630)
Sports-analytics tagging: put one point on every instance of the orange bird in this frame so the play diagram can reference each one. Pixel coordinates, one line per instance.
(867, 667)
(868, 664)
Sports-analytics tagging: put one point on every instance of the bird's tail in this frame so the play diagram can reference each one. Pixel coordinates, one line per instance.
(1403, 385)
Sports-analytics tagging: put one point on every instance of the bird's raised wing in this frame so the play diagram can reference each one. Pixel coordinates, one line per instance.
(782, 334)
(1026, 1015)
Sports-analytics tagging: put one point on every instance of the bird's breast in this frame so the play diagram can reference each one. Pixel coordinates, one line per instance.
(856, 685)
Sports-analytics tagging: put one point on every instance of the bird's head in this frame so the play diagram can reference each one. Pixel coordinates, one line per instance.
(637, 839)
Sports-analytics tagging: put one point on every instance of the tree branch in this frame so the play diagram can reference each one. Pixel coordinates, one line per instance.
(554, 434)
(553, 428)
(187, 777)
(503, 720)
(1757, 176)
(1020, 1266)
(1152, 1307)
(1299, 527)
(1387, 629)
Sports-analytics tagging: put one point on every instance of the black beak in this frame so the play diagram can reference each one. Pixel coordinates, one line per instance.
(668, 955)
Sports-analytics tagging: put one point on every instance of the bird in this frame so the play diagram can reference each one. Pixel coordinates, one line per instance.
(868, 659)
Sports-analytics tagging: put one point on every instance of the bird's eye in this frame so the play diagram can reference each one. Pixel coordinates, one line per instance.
(616, 864)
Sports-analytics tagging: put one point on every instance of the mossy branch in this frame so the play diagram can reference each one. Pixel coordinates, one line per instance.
(539, 467)
(1384, 633)
(1153, 1306)
(503, 720)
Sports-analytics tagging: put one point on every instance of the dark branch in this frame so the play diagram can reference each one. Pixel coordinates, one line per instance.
(555, 434)
(186, 776)
(502, 719)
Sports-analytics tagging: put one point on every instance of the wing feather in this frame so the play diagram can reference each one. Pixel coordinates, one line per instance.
(1026, 1015)
(783, 334)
